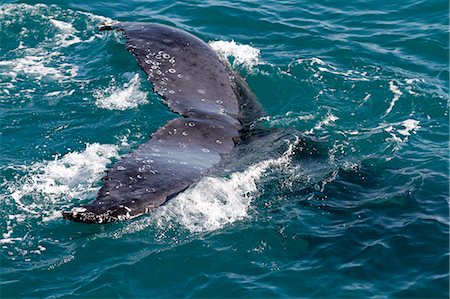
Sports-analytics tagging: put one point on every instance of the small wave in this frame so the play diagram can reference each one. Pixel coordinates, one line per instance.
(319, 67)
(244, 55)
(125, 97)
(328, 120)
(397, 93)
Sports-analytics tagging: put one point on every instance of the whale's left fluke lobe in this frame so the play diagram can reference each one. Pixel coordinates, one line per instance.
(194, 83)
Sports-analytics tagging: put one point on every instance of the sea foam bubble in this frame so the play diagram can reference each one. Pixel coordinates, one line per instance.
(123, 97)
(244, 55)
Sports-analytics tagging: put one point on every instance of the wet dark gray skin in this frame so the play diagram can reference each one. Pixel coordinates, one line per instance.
(217, 108)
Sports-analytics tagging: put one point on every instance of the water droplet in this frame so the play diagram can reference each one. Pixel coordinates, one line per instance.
(220, 102)
(172, 71)
(191, 124)
(218, 141)
(205, 150)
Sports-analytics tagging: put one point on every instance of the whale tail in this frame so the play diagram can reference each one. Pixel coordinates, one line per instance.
(193, 82)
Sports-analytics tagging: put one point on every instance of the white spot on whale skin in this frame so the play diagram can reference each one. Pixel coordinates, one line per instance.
(201, 91)
(191, 124)
(77, 210)
(172, 71)
(121, 168)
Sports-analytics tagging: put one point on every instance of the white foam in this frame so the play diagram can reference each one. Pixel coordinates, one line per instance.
(410, 126)
(215, 202)
(290, 118)
(35, 65)
(312, 61)
(71, 176)
(244, 55)
(397, 93)
(352, 75)
(63, 26)
(67, 36)
(121, 98)
(327, 121)
(50, 185)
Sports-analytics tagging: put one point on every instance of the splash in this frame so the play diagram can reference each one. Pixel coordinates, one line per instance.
(47, 188)
(215, 202)
(243, 55)
(125, 97)
(72, 176)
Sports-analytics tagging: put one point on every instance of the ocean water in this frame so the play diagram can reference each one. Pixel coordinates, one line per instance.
(367, 216)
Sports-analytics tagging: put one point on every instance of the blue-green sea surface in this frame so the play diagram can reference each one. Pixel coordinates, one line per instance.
(365, 216)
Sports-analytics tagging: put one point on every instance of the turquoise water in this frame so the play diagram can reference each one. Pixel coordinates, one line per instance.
(366, 217)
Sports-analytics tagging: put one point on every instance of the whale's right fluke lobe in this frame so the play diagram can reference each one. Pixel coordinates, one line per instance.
(193, 82)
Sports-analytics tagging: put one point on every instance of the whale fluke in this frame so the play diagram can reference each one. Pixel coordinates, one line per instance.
(195, 83)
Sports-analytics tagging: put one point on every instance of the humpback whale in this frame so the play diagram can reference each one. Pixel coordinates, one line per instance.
(216, 107)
